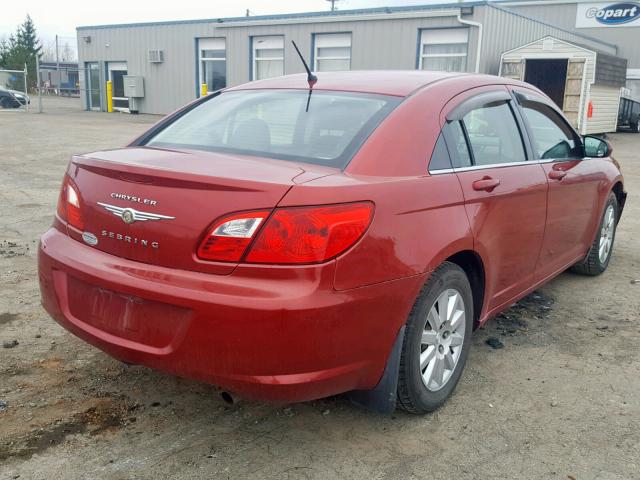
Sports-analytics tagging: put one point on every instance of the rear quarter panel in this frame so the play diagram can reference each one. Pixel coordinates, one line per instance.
(418, 222)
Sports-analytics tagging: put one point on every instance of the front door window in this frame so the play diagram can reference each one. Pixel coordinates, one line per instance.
(552, 137)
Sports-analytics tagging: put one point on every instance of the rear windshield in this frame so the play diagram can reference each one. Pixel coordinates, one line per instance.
(277, 124)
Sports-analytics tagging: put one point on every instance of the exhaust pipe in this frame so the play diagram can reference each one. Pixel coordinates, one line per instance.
(227, 398)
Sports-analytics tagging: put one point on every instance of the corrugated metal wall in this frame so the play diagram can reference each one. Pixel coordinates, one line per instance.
(376, 44)
(505, 30)
(167, 85)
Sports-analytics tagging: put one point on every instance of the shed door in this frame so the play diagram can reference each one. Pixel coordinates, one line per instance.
(573, 90)
(549, 75)
(512, 69)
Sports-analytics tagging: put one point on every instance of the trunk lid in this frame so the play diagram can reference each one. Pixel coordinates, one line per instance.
(172, 196)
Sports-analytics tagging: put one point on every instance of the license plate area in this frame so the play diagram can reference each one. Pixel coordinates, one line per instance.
(148, 322)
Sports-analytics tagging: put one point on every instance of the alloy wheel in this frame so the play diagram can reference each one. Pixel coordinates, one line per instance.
(442, 339)
(606, 234)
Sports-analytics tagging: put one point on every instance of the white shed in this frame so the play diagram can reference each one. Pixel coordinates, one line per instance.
(585, 83)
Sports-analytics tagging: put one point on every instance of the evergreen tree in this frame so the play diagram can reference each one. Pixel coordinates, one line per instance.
(4, 49)
(28, 38)
(7, 46)
(20, 49)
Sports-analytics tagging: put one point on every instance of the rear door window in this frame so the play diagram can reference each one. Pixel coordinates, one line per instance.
(457, 142)
(451, 149)
(493, 135)
(440, 159)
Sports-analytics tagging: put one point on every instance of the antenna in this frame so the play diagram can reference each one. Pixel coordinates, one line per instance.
(311, 78)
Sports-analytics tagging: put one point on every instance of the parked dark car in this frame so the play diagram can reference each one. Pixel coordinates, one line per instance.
(8, 99)
(22, 97)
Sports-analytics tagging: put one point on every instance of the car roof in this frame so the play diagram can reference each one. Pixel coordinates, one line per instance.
(385, 82)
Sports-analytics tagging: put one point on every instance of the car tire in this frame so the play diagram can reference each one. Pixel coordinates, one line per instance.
(597, 260)
(427, 376)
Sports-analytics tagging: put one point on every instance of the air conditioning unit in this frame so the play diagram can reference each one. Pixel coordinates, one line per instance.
(156, 56)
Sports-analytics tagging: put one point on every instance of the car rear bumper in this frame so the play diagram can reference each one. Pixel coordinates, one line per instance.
(275, 333)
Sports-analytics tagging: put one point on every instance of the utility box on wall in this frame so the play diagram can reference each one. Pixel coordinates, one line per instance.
(133, 89)
(133, 86)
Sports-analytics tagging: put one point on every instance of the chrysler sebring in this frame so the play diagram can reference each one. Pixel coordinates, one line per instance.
(288, 240)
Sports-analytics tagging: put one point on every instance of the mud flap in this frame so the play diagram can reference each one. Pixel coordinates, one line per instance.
(621, 201)
(382, 398)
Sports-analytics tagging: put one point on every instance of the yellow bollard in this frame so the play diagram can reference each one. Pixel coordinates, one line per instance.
(203, 90)
(109, 96)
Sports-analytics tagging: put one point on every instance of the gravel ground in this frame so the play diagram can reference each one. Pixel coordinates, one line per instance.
(560, 400)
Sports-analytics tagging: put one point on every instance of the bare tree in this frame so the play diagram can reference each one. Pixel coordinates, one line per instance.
(68, 54)
(48, 50)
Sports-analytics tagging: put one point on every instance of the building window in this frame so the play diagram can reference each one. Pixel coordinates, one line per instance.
(332, 52)
(444, 49)
(268, 56)
(213, 63)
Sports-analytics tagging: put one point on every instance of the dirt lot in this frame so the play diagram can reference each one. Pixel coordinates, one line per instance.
(561, 400)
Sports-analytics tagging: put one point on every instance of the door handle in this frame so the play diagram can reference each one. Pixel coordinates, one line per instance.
(557, 174)
(487, 184)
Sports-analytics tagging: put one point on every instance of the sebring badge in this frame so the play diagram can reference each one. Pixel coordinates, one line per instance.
(130, 215)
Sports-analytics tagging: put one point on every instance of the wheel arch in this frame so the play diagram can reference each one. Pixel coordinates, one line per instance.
(383, 397)
(472, 264)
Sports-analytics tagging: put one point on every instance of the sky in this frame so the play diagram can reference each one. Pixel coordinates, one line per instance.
(62, 17)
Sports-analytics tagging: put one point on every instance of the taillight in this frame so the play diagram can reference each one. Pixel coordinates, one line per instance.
(69, 207)
(310, 234)
(229, 237)
(289, 236)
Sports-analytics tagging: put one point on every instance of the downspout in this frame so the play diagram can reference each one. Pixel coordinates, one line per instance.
(479, 48)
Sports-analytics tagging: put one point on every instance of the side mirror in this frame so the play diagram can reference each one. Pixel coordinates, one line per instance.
(596, 147)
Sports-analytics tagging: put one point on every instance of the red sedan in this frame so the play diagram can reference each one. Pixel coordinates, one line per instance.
(289, 244)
